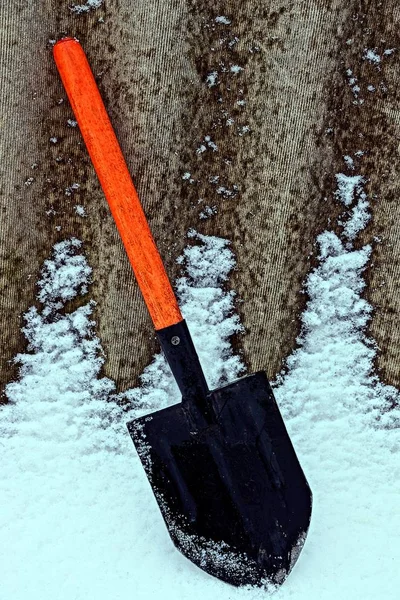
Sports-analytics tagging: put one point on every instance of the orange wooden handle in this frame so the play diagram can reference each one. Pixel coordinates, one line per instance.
(116, 182)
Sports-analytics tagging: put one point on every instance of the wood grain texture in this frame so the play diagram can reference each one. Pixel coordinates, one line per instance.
(151, 61)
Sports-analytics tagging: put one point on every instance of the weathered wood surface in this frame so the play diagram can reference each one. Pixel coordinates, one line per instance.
(151, 60)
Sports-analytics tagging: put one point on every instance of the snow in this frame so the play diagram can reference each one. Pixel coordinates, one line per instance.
(359, 217)
(243, 130)
(187, 175)
(84, 8)
(64, 276)
(208, 212)
(71, 189)
(371, 56)
(202, 148)
(78, 519)
(209, 312)
(222, 20)
(210, 143)
(345, 425)
(211, 79)
(349, 162)
(333, 325)
(351, 188)
(76, 506)
(80, 210)
(348, 187)
(225, 192)
(355, 88)
(337, 414)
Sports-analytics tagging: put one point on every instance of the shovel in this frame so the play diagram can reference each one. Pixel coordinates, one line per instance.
(221, 464)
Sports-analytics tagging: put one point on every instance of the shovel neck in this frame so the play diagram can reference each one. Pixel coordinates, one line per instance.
(181, 355)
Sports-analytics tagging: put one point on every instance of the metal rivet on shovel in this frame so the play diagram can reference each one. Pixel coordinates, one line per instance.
(221, 465)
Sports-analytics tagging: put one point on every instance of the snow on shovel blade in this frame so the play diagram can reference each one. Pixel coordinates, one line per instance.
(231, 490)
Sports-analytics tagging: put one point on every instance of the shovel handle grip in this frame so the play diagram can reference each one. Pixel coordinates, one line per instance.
(114, 177)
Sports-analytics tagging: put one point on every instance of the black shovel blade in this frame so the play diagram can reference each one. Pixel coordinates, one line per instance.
(232, 493)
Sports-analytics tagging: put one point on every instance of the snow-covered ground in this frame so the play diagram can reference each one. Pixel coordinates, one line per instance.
(78, 519)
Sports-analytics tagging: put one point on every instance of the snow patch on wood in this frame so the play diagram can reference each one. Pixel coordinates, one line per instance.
(85, 8)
